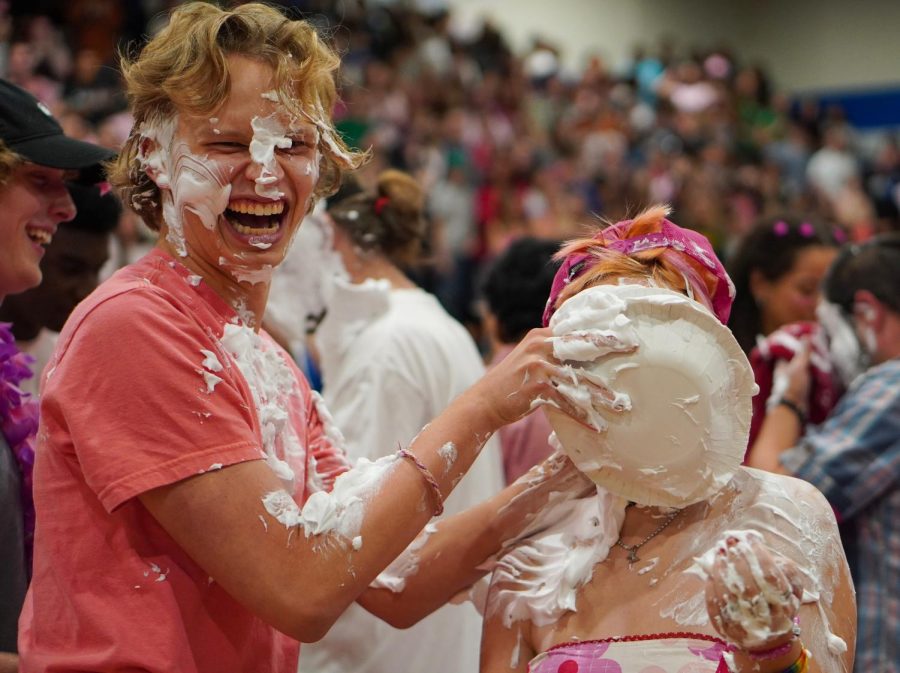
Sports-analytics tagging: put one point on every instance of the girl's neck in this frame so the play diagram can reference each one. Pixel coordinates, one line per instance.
(379, 268)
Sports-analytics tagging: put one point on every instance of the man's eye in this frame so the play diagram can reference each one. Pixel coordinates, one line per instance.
(302, 144)
(228, 146)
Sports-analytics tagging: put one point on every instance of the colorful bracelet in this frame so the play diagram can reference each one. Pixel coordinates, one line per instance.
(799, 666)
(429, 479)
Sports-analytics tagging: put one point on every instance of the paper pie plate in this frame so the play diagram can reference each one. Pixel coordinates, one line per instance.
(690, 388)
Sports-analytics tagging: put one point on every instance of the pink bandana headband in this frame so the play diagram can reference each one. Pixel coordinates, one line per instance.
(671, 236)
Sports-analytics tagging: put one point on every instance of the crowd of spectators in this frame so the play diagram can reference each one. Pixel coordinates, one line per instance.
(510, 144)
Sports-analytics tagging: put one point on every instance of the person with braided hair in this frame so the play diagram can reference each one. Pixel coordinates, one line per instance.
(392, 358)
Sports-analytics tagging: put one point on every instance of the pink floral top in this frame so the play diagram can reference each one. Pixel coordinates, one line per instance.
(657, 653)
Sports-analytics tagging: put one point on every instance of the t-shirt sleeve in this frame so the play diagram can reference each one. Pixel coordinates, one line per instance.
(326, 443)
(137, 398)
(854, 457)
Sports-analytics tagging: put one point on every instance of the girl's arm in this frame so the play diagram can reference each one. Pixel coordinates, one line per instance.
(454, 553)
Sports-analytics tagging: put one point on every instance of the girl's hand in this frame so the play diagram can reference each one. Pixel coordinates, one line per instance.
(791, 378)
(752, 593)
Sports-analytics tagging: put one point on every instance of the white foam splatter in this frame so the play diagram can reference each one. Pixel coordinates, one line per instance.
(449, 454)
(268, 134)
(394, 576)
(271, 382)
(188, 183)
(342, 510)
(547, 570)
(211, 380)
(211, 361)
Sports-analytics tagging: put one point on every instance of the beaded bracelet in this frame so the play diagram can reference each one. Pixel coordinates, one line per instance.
(429, 479)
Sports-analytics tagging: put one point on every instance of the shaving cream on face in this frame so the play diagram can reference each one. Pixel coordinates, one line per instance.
(200, 186)
(269, 134)
(844, 349)
(188, 183)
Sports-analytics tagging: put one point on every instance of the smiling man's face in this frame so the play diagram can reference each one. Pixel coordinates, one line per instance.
(237, 184)
(32, 203)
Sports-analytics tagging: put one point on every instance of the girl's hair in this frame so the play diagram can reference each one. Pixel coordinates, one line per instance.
(9, 162)
(662, 266)
(389, 222)
(184, 69)
(770, 248)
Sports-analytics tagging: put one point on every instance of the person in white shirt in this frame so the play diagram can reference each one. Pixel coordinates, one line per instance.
(392, 358)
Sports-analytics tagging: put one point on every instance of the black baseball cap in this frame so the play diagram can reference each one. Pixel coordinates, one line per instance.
(28, 128)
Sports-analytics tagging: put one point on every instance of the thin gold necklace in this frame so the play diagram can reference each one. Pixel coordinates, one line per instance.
(632, 548)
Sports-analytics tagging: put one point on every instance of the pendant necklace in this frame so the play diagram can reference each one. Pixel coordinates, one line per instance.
(632, 548)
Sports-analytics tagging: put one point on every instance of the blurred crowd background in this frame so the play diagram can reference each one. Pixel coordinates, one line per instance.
(508, 144)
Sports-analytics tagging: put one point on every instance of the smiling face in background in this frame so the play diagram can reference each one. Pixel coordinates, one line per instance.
(793, 296)
(33, 203)
(237, 183)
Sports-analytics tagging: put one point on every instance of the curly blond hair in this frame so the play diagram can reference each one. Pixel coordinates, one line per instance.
(184, 68)
(9, 162)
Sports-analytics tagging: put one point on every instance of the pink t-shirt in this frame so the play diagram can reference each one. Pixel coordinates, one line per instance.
(125, 409)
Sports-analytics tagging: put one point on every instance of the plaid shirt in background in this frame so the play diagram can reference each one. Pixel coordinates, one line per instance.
(854, 459)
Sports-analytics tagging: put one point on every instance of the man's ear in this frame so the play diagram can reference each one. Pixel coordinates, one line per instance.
(867, 308)
(147, 148)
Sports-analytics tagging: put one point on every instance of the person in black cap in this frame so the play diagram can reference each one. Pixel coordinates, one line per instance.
(71, 270)
(36, 159)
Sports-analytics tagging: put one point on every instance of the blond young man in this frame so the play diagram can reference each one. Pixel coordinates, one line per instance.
(196, 512)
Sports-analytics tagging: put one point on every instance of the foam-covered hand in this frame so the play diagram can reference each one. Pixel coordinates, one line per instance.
(752, 592)
(530, 376)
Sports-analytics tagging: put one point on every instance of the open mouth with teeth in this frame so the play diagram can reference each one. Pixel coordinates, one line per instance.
(252, 218)
(39, 236)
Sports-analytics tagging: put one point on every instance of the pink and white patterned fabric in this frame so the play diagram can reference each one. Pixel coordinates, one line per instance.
(658, 653)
